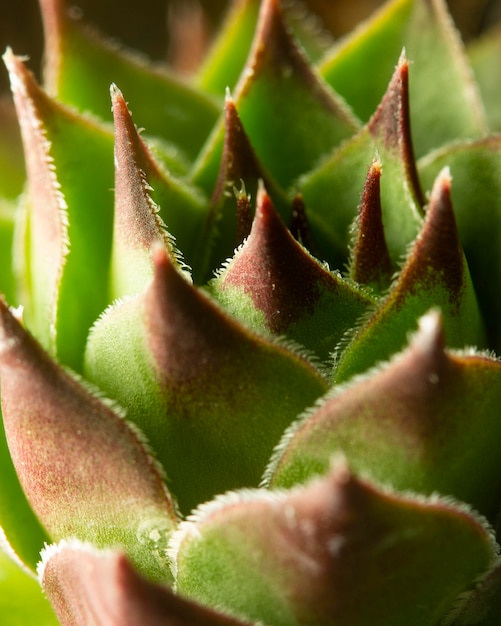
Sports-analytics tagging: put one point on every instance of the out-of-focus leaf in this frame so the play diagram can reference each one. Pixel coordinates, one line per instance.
(338, 551)
(85, 585)
(80, 66)
(85, 471)
(22, 602)
(432, 43)
(484, 54)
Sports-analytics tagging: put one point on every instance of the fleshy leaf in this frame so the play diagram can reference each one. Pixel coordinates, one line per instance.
(332, 191)
(226, 59)
(86, 586)
(445, 103)
(22, 602)
(435, 273)
(409, 424)
(483, 55)
(163, 356)
(284, 103)
(80, 66)
(482, 607)
(370, 262)
(11, 152)
(70, 175)
(476, 194)
(338, 551)
(18, 523)
(85, 472)
(273, 278)
(138, 221)
(230, 221)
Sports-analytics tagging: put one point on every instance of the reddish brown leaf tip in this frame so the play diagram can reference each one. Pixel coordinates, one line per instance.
(371, 263)
(89, 587)
(136, 221)
(391, 123)
(437, 251)
(239, 161)
(188, 335)
(282, 279)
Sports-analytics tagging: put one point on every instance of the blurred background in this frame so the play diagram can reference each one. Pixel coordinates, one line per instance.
(143, 24)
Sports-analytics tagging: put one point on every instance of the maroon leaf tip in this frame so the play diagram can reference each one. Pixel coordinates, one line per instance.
(371, 263)
(282, 279)
(391, 122)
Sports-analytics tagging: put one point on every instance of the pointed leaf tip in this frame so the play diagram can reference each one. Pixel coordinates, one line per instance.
(370, 262)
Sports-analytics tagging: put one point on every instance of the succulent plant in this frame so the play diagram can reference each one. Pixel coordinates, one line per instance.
(248, 355)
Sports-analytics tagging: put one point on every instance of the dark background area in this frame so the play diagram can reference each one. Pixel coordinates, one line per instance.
(142, 24)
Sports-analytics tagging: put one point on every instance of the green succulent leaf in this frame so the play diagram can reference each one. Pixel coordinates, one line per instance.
(408, 424)
(370, 262)
(483, 55)
(331, 191)
(273, 284)
(175, 346)
(138, 219)
(277, 78)
(85, 585)
(481, 607)
(80, 66)
(240, 172)
(22, 602)
(11, 152)
(68, 235)
(475, 167)
(19, 525)
(435, 273)
(312, 554)
(223, 64)
(431, 41)
(85, 472)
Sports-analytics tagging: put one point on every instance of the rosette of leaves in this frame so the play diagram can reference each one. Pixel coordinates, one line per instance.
(247, 355)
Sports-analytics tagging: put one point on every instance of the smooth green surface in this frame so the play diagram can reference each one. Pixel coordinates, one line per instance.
(22, 602)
